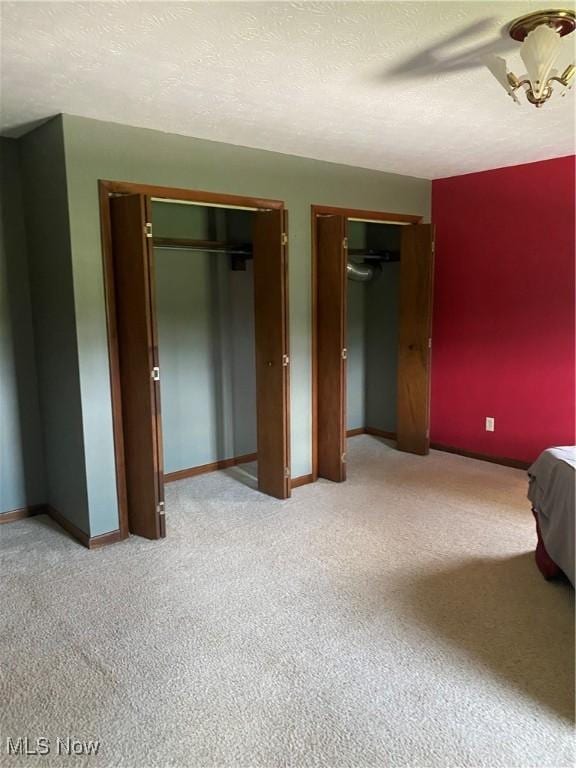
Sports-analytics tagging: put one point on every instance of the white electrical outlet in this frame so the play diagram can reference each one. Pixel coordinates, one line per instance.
(489, 424)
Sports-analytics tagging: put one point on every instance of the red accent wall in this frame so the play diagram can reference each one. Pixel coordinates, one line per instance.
(503, 327)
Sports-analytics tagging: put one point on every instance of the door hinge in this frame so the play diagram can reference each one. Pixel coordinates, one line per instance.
(345, 243)
(155, 374)
(428, 434)
(148, 229)
(343, 458)
(285, 360)
(429, 342)
(286, 471)
(160, 508)
(344, 353)
(284, 240)
(433, 247)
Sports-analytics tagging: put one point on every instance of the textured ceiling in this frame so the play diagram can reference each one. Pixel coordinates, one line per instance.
(397, 86)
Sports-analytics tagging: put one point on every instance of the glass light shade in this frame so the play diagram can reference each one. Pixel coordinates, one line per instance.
(539, 52)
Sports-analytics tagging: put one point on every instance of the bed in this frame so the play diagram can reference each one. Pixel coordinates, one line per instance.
(551, 480)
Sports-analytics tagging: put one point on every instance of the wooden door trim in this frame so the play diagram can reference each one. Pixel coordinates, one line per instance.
(330, 210)
(288, 383)
(107, 188)
(361, 213)
(191, 195)
(113, 356)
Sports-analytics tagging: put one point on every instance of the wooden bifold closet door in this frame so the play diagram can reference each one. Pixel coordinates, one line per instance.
(414, 338)
(414, 341)
(272, 352)
(331, 258)
(138, 355)
(136, 386)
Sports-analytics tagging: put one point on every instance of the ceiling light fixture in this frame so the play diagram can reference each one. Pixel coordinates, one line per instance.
(540, 34)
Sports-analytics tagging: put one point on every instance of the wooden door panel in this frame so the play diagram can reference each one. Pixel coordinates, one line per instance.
(157, 419)
(272, 352)
(331, 258)
(138, 356)
(414, 338)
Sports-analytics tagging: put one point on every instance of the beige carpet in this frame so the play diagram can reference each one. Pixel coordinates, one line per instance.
(395, 620)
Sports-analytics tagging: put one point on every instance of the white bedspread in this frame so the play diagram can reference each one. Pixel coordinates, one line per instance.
(551, 490)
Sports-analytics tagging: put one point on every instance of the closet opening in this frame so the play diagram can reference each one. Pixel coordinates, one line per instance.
(196, 289)
(372, 288)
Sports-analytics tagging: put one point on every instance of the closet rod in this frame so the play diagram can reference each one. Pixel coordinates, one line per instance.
(211, 246)
(206, 205)
(381, 221)
(247, 254)
(375, 253)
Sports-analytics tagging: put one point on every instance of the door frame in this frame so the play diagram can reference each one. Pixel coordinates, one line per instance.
(348, 213)
(106, 189)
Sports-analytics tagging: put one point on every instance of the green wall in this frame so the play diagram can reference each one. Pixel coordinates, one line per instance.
(356, 337)
(382, 306)
(22, 477)
(56, 324)
(372, 326)
(382, 348)
(97, 150)
(356, 362)
(205, 318)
